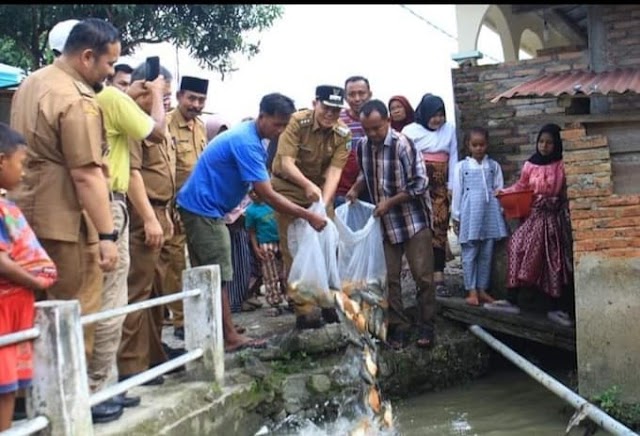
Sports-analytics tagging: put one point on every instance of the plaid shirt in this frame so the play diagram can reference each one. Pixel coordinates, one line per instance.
(393, 168)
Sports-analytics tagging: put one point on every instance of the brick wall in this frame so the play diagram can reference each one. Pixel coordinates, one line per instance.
(602, 222)
(513, 124)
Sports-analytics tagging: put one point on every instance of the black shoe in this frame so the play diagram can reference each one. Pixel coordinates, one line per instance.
(304, 322)
(178, 332)
(106, 411)
(171, 352)
(155, 381)
(330, 316)
(125, 400)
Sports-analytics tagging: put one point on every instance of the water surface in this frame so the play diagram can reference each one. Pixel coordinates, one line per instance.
(507, 402)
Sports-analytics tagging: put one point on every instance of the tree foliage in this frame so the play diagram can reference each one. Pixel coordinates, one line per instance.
(211, 33)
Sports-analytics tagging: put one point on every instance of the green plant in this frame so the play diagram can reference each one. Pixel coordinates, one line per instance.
(609, 401)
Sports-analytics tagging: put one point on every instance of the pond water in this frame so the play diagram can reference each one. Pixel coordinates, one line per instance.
(505, 403)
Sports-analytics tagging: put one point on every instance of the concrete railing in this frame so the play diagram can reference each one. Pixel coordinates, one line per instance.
(59, 402)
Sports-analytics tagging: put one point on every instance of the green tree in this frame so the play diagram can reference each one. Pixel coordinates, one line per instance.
(211, 33)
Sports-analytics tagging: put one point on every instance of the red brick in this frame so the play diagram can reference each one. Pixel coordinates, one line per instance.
(594, 234)
(628, 253)
(592, 213)
(586, 143)
(586, 155)
(618, 222)
(604, 244)
(628, 211)
(585, 245)
(573, 134)
(622, 200)
(577, 168)
(590, 192)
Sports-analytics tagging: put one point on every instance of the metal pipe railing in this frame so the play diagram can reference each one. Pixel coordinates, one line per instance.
(21, 336)
(27, 427)
(597, 415)
(112, 313)
(144, 377)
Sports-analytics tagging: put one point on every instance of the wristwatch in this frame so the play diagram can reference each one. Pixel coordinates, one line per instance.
(113, 236)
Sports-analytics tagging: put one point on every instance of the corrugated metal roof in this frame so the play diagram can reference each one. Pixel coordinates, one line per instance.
(616, 81)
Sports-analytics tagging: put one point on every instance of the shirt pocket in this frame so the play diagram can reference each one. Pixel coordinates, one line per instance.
(308, 162)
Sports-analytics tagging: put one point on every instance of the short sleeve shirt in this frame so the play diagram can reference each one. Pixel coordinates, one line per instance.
(123, 119)
(222, 176)
(18, 240)
(57, 113)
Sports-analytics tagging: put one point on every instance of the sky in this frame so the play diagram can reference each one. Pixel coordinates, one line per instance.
(401, 50)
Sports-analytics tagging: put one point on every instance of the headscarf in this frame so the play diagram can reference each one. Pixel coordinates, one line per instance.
(556, 155)
(428, 107)
(408, 109)
(213, 124)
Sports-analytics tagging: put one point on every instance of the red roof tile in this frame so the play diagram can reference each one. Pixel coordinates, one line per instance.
(616, 81)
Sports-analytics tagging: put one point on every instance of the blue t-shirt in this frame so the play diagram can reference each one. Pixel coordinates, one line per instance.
(224, 172)
(260, 216)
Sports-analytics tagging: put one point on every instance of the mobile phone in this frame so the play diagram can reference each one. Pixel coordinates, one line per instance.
(152, 68)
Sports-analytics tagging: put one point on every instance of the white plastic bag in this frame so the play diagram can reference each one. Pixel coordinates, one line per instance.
(360, 250)
(314, 270)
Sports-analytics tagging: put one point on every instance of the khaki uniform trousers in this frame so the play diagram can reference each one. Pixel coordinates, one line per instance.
(419, 254)
(173, 254)
(301, 306)
(79, 277)
(103, 370)
(141, 345)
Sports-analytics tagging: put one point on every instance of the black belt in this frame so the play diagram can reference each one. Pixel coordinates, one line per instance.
(159, 203)
(118, 196)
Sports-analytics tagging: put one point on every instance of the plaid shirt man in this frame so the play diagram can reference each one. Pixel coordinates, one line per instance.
(391, 168)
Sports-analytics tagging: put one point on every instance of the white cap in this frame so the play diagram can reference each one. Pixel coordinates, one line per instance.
(59, 33)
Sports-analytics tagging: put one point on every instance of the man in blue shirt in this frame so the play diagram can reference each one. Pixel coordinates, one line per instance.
(233, 162)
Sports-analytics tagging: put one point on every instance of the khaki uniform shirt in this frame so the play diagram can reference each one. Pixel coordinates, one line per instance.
(314, 150)
(156, 162)
(56, 111)
(190, 138)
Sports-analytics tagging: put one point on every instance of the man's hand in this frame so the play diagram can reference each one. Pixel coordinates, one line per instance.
(318, 222)
(312, 192)
(260, 254)
(153, 234)
(141, 87)
(351, 196)
(108, 255)
(381, 208)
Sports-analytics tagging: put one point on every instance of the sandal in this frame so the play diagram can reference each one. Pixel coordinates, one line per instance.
(442, 290)
(426, 337)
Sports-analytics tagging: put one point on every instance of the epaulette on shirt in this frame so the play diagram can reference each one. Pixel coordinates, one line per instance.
(83, 88)
(306, 119)
(341, 130)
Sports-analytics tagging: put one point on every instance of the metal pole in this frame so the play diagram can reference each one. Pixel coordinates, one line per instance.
(597, 415)
(100, 316)
(143, 377)
(21, 336)
(28, 427)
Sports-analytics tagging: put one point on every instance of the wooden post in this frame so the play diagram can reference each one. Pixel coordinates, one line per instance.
(203, 322)
(60, 386)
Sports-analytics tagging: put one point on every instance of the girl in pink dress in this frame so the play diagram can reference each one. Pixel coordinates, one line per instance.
(540, 250)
